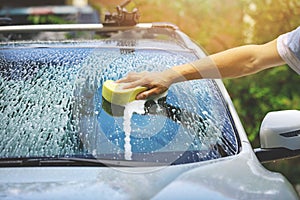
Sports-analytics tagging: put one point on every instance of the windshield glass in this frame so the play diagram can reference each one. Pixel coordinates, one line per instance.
(52, 105)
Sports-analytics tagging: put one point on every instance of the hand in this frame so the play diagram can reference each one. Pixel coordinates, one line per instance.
(156, 82)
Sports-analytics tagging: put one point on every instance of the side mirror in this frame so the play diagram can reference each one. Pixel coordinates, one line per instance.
(279, 136)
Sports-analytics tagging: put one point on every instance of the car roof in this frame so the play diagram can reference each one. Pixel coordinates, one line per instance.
(156, 33)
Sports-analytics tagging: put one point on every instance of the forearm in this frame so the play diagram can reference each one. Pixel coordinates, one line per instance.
(235, 62)
(245, 60)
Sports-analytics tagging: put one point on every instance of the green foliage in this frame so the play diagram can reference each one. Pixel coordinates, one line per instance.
(215, 24)
(274, 89)
(254, 96)
(47, 19)
(272, 17)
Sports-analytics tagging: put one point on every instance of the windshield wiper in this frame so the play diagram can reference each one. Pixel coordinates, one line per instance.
(48, 161)
(73, 161)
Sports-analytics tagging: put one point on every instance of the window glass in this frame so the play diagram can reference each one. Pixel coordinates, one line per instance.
(51, 105)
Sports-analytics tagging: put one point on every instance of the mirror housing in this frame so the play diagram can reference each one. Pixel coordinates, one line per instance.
(281, 129)
(279, 136)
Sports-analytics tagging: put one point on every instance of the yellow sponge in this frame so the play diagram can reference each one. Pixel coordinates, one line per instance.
(113, 93)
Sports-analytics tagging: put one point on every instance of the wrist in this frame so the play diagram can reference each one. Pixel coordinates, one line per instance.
(173, 75)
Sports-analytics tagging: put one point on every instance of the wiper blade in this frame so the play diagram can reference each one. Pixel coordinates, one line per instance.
(48, 161)
(73, 161)
(118, 163)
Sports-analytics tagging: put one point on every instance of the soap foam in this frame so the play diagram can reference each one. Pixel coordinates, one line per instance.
(130, 108)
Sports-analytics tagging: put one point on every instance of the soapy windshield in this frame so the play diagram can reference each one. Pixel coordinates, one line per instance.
(52, 105)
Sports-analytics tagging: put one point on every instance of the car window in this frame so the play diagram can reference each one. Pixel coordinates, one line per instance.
(52, 105)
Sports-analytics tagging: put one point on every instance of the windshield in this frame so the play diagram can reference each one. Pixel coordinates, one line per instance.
(52, 105)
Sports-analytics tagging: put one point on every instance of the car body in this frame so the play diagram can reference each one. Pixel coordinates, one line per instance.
(61, 140)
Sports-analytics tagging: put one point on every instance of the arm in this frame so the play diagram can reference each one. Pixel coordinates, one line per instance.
(235, 62)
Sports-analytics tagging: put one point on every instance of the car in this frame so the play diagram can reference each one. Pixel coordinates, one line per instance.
(51, 14)
(60, 139)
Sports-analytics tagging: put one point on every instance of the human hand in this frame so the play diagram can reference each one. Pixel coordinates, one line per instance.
(156, 82)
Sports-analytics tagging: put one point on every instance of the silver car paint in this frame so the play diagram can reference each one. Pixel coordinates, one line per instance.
(236, 177)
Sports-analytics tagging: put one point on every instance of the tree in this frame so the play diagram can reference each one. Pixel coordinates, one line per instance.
(215, 24)
(273, 89)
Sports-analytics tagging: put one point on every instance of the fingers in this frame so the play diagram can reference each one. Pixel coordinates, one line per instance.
(133, 84)
(154, 91)
(155, 83)
(132, 80)
(131, 76)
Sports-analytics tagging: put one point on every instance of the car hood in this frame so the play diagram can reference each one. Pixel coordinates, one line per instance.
(229, 178)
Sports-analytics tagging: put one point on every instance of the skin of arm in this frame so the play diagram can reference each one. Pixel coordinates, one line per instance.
(232, 63)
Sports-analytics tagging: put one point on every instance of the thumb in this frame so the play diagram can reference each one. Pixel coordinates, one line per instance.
(143, 95)
(148, 93)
